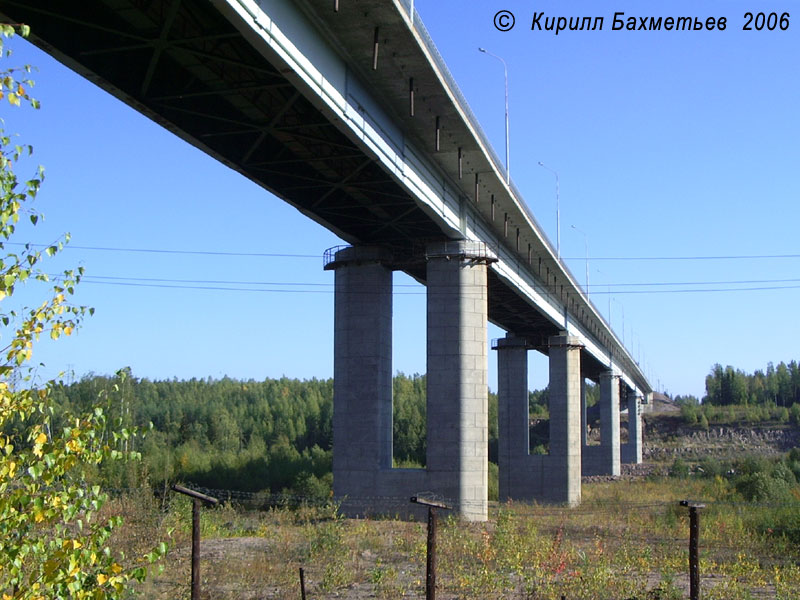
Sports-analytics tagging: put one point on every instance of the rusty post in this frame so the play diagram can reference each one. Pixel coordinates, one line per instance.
(195, 549)
(197, 498)
(694, 543)
(430, 574)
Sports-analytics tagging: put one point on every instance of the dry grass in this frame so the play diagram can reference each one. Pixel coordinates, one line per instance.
(627, 540)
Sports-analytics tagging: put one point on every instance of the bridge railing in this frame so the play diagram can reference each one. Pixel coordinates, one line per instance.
(419, 26)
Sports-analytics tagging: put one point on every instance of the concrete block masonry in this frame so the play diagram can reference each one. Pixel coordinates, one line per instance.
(457, 406)
(457, 398)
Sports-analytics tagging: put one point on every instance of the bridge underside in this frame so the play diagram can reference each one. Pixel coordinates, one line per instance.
(183, 63)
(185, 66)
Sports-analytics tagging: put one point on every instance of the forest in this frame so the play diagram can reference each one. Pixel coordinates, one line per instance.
(272, 435)
(275, 435)
(777, 385)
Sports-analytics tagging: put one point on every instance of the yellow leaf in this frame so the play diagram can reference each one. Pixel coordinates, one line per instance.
(68, 330)
(116, 568)
(101, 579)
(38, 516)
(41, 438)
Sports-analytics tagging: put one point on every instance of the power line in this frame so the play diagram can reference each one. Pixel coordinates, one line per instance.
(740, 282)
(162, 251)
(287, 255)
(731, 257)
(223, 288)
(225, 282)
(330, 285)
(231, 286)
(699, 291)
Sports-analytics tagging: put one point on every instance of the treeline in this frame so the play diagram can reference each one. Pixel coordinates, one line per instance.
(777, 385)
(733, 396)
(273, 435)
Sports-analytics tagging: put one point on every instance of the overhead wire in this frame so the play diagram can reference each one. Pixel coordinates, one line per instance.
(316, 256)
(224, 285)
(236, 286)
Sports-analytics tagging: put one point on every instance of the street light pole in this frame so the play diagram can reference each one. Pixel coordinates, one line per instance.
(586, 245)
(558, 211)
(505, 74)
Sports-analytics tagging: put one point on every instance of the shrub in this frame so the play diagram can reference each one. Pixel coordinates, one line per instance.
(689, 413)
(760, 487)
(704, 422)
(679, 469)
(782, 471)
(711, 467)
(794, 414)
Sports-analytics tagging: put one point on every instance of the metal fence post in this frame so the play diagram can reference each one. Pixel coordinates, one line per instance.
(430, 574)
(197, 498)
(694, 544)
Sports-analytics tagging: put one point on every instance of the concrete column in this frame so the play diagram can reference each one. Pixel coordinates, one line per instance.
(458, 433)
(512, 413)
(634, 452)
(564, 472)
(362, 388)
(609, 424)
(584, 420)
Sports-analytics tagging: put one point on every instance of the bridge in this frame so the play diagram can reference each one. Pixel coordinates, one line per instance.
(345, 110)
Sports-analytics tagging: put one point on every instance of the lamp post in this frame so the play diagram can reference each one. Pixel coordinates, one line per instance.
(505, 74)
(558, 211)
(586, 245)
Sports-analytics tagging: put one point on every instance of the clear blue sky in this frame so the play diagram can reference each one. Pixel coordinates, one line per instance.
(667, 144)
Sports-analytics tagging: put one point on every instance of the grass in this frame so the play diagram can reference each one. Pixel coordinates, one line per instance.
(626, 540)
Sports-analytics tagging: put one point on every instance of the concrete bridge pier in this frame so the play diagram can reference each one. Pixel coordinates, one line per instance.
(609, 424)
(362, 367)
(515, 468)
(457, 394)
(584, 416)
(556, 477)
(632, 451)
(457, 375)
(564, 477)
(605, 458)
